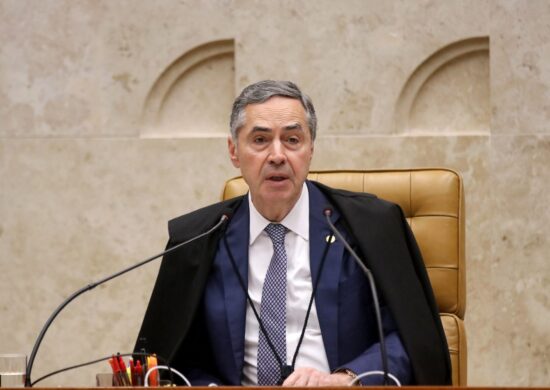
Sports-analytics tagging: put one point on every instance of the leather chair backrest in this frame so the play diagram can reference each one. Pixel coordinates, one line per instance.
(433, 202)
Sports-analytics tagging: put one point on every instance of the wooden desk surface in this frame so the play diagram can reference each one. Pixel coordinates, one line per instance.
(296, 388)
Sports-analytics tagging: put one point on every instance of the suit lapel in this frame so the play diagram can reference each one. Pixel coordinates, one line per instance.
(326, 297)
(235, 298)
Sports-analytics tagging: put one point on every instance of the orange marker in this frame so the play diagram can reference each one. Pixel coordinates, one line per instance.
(153, 378)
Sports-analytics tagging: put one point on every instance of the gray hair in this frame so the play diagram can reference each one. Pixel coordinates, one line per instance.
(261, 92)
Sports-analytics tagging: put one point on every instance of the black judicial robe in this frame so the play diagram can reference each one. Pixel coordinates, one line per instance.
(386, 245)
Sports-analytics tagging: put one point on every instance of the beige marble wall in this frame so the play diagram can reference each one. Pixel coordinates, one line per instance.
(87, 186)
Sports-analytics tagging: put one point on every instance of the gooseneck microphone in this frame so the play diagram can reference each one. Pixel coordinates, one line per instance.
(224, 218)
(383, 354)
(285, 369)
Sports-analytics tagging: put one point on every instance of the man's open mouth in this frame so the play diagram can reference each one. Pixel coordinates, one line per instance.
(277, 178)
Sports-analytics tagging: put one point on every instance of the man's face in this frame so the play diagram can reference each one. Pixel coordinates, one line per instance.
(274, 151)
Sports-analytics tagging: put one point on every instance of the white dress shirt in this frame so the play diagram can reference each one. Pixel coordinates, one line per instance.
(299, 287)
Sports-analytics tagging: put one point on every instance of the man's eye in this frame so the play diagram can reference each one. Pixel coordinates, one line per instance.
(293, 140)
(259, 140)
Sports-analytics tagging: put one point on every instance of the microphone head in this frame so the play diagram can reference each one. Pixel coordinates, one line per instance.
(327, 211)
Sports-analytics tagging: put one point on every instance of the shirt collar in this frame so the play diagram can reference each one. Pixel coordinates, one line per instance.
(297, 220)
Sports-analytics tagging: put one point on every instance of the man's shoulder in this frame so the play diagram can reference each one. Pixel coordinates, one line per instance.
(180, 228)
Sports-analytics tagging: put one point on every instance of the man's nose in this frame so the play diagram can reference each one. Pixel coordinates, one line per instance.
(277, 153)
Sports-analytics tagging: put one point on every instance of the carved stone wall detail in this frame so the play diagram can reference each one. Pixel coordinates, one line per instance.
(448, 94)
(192, 97)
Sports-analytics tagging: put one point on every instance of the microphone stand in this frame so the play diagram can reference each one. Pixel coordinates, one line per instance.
(383, 353)
(91, 286)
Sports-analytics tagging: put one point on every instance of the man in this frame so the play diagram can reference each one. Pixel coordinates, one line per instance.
(274, 298)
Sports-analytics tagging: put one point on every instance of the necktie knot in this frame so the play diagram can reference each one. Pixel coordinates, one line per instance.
(276, 232)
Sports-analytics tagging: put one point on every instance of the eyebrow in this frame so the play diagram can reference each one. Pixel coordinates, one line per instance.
(262, 129)
(294, 126)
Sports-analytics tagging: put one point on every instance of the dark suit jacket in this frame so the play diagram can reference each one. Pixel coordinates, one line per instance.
(178, 327)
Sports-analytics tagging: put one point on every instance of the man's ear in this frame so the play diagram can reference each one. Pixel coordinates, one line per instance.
(232, 147)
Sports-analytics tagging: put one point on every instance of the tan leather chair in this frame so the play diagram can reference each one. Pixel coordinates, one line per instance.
(433, 202)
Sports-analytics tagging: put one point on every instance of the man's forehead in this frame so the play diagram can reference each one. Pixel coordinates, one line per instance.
(278, 109)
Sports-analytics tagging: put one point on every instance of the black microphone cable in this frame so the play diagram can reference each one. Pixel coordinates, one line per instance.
(383, 354)
(284, 368)
(260, 322)
(28, 383)
(99, 360)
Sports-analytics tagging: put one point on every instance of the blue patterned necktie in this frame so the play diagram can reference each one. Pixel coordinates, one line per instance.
(273, 310)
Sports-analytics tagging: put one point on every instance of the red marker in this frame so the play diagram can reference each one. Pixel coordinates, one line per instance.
(123, 371)
(139, 372)
(116, 371)
(132, 372)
